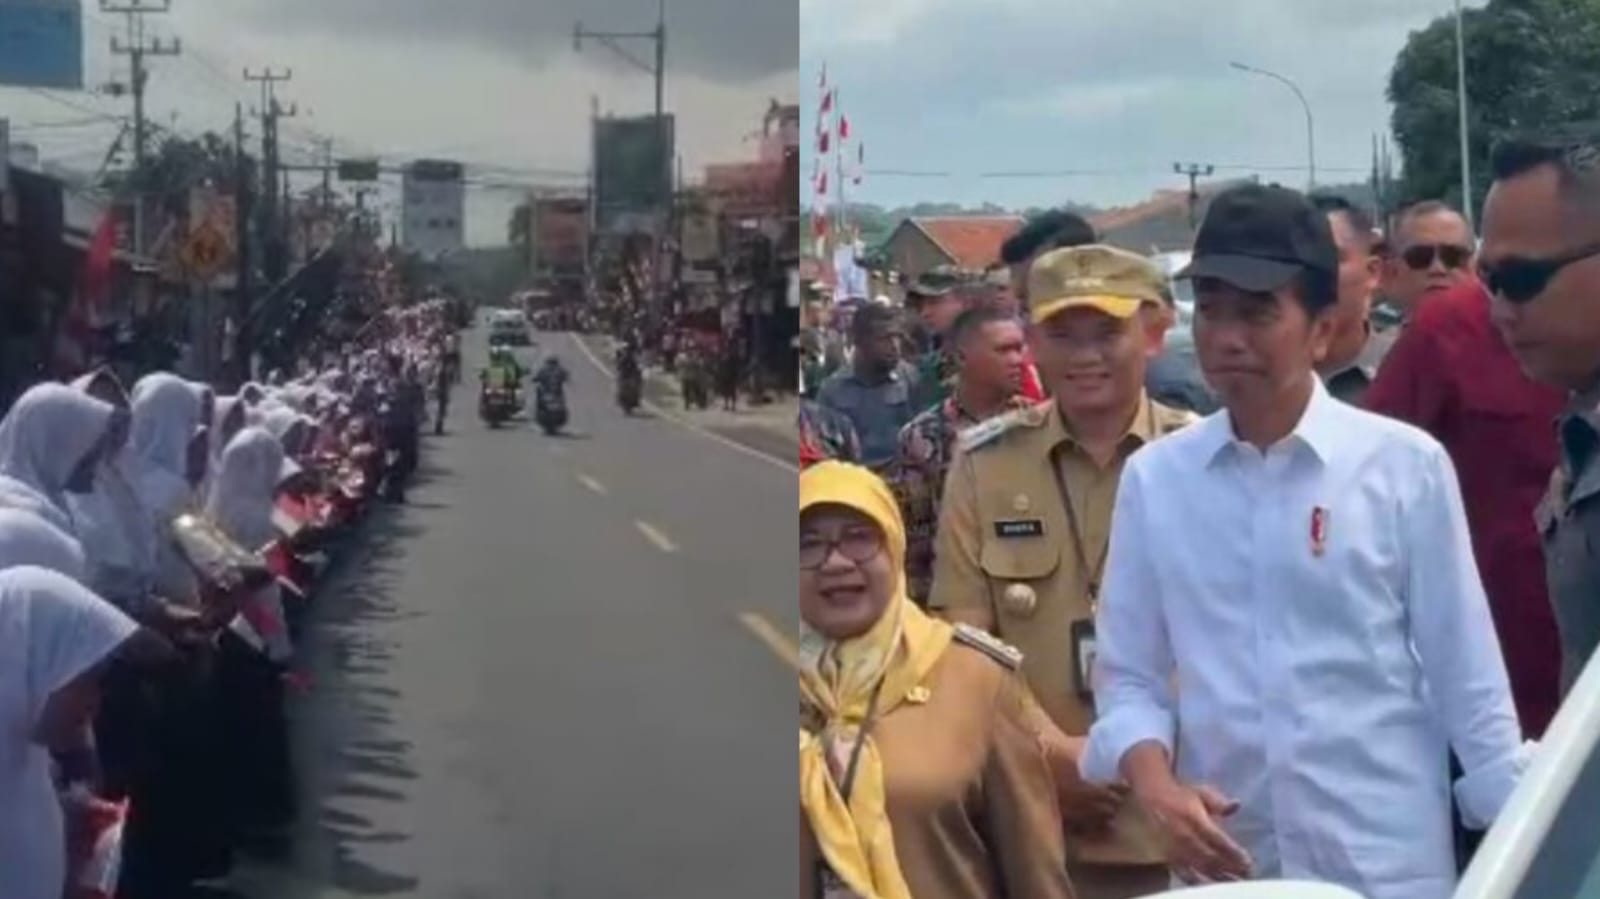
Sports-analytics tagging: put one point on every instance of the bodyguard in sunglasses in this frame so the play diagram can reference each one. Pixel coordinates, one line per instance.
(1432, 255)
(1451, 374)
(1541, 264)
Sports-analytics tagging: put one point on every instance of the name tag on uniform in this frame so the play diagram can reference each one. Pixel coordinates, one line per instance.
(1019, 527)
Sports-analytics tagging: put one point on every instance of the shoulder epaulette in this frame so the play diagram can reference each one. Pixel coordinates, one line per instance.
(1007, 655)
(988, 430)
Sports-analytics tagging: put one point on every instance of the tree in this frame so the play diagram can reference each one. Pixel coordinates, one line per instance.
(1531, 65)
(177, 165)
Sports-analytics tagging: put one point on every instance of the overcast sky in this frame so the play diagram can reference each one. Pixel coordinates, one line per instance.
(1119, 88)
(495, 83)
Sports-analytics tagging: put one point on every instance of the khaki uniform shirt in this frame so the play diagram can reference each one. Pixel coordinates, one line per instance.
(1006, 547)
(1569, 523)
(970, 796)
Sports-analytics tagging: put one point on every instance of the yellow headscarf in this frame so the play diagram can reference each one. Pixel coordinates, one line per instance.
(837, 678)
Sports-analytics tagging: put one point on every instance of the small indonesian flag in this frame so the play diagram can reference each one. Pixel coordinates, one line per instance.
(1319, 531)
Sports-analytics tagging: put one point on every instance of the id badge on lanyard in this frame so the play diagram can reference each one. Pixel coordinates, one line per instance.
(1083, 657)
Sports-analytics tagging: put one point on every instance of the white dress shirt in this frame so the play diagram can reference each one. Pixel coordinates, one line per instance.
(1317, 685)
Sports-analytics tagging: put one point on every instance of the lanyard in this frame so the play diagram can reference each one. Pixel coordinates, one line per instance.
(1089, 579)
(849, 781)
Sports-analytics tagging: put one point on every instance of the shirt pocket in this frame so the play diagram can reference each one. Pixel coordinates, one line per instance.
(1018, 564)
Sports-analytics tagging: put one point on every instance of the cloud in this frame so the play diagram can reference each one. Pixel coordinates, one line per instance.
(719, 40)
(1122, 87)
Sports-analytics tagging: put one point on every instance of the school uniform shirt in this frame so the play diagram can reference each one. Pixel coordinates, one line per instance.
(1304, 629)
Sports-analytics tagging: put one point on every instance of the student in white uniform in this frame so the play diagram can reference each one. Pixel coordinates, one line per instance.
(1291, 609)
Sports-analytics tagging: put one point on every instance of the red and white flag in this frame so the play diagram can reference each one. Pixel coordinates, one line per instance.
(844, 128)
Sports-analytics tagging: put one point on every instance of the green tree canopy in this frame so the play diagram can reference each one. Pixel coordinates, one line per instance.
(1531, 65)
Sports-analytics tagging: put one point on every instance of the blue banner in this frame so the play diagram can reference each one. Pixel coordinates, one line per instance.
(41, 43)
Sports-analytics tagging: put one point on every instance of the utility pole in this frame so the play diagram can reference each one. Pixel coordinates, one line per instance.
(1461, 116)
(659, 71)
(273, 217)
(136, 48)
(1195, 172)
(241, 211)
(327, 175)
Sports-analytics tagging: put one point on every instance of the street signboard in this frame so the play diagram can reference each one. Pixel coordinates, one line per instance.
(702, 236)
(632, 171)
(207, 250)
(747, 189)
(560, 233)
(205, 254)
(358, 170)
(41, 43)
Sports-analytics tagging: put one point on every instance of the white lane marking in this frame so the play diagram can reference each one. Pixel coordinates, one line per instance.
(674, 417)
(782, 646)
(662, 541)
(592, 484)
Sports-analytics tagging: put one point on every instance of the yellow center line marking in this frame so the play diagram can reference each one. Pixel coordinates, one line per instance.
(592, 484)
(781, 645)
(662, 541)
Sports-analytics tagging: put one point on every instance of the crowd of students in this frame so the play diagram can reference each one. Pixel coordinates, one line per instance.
(159, 548)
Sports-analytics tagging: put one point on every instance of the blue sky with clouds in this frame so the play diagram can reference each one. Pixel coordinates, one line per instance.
(1115, 91)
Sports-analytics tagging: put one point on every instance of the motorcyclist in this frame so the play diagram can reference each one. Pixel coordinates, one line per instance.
(629, 373)
(503, 372)
(552, 376)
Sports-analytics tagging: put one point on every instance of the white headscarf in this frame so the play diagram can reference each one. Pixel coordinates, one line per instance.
(241, 504)
(112, 524)
(27, 539)
(242, 496)
(53, 630)
(43, 440)
(166, 417)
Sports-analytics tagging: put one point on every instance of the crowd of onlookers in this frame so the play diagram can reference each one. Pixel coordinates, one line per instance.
(160, 545)
(1069, 630)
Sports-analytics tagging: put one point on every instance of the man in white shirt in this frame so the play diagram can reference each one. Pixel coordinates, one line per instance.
(1291, 609)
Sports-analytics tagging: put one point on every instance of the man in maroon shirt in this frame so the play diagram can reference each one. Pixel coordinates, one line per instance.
(1451, 374)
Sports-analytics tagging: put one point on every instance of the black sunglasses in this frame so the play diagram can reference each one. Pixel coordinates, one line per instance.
(1522, 280)
(1421, 256)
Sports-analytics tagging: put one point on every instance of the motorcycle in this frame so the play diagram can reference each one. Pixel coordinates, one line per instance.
(630, 384)
(550, 410)
(496, 405)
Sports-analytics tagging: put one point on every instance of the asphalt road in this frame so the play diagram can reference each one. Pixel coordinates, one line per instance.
(556, 672)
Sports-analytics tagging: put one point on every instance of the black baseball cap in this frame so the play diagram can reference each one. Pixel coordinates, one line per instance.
(1258, 238)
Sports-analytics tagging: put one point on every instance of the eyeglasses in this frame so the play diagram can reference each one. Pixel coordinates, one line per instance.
(1522, 280)
(1421, 256)
(856, 544)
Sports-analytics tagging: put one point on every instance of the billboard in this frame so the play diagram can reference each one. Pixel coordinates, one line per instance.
(560, 234)
(41, 43)
(434, 200)
(747, 189)
(632, 173)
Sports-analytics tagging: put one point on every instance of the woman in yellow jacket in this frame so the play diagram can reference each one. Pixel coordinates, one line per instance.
(919, 775)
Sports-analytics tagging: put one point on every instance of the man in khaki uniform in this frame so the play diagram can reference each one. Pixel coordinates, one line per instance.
(1026, 518)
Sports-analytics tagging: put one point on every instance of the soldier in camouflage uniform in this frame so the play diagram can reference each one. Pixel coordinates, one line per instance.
(989, 346)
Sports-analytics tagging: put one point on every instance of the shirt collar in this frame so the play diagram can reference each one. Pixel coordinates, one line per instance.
(1141, 430)
(1317, 430)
